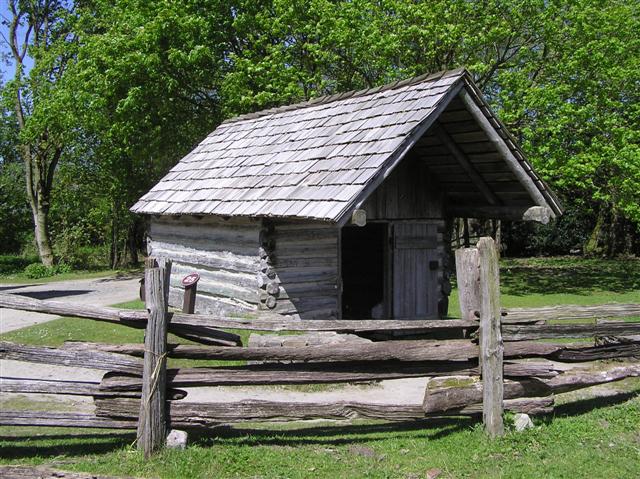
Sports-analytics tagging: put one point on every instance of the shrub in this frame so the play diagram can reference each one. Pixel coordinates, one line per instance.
(38, 270)
(62, 268)
(11, 264)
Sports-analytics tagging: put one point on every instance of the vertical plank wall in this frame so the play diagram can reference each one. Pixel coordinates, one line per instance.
(411, 200)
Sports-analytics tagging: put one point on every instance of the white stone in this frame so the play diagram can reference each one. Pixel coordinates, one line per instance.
(522, 422)
(177, 439)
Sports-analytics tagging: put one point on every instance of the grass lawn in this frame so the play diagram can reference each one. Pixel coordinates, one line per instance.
(12, 271)
(583, 438)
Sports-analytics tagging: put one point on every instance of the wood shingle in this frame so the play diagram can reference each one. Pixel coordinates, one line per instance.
(313, 160)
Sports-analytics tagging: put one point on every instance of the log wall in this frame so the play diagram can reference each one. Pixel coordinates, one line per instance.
(299, 269)
(223, 252)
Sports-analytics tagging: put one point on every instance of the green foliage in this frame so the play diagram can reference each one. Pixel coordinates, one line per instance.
(11, 264)
(15, 222)
(38, 270)
(144, 81)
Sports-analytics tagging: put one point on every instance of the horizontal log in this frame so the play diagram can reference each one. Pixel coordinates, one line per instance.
(566, 312)
(186, 415)
(319, 373)
(361, 349)
(246, 280)
(357, 350)
(217, 260)
(223, 288)
(67, 419)
(138, 318)
(443, 394)
(198, 332)
(72, 388)
(63, 357)
(513, 332)
(303, 340)
(572, 353)
(44, 386)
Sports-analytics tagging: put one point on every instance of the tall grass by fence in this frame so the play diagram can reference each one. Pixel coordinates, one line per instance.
(487, 362)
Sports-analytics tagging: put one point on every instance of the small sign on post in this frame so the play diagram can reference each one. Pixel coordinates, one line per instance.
(190, 283)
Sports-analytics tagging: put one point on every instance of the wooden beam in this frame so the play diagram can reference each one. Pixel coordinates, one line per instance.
(152, 420)
(570, 312)
(198, 332)
(532, 332)
(539, 214)
(203, 323)
(468, 278)
(63, 419)
(491, 347)
(79, 359)
(413, 350)
(185, 414)
(512, 162)
(319, 373)
(443, 394)
(464, 162)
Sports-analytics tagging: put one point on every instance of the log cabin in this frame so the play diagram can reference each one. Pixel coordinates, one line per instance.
(340, 207)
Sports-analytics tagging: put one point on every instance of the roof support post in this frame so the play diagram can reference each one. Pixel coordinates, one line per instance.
(464, 162)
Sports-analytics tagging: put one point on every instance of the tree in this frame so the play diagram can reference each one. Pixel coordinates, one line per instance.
(145, 82)
(35, 30)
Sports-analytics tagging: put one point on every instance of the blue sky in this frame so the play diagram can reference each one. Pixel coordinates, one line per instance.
(6, 71)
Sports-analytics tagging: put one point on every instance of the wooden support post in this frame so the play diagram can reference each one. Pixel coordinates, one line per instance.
(491, 347)
(190, 283)
(152, 420)
(468, 278)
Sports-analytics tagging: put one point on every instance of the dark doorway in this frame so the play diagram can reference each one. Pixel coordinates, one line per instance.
(363, 271)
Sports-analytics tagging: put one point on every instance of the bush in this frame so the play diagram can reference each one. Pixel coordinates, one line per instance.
(38, 270)
(62, 268)
(11, 264)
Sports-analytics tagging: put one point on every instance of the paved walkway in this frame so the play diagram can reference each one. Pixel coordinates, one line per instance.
(96, 291)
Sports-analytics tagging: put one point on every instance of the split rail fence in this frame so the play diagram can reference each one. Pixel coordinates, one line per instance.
(487, 362)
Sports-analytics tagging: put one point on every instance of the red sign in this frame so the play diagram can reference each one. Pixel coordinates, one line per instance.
(190, 279)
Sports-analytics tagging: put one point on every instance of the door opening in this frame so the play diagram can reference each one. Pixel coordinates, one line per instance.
(364, 259)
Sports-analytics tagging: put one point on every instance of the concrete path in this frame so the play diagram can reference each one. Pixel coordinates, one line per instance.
(96, 291)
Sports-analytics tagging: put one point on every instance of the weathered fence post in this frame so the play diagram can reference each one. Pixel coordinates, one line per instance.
(491, 347)
(152, 428)
(468, 278)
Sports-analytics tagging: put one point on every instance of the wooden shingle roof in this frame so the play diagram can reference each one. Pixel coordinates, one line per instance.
(318, 159)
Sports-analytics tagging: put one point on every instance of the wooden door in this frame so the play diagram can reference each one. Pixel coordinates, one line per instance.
(415, 288)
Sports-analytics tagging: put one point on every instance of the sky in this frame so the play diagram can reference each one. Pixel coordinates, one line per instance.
(7, 70)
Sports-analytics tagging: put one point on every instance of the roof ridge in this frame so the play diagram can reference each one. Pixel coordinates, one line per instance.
(322, 100)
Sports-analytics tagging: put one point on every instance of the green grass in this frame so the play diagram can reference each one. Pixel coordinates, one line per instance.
(536, 282)
(584, 440)
(597, 437)
(20, 278)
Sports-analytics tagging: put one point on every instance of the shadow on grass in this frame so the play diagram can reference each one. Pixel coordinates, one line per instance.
(335, 435)
(60, 444)
(53, 445)
(520, 278)
(583, 406)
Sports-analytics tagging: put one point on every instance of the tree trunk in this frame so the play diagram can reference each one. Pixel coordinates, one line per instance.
(41, 229)
(132, 242)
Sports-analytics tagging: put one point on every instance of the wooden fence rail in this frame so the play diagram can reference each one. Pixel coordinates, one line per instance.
(501, 365)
